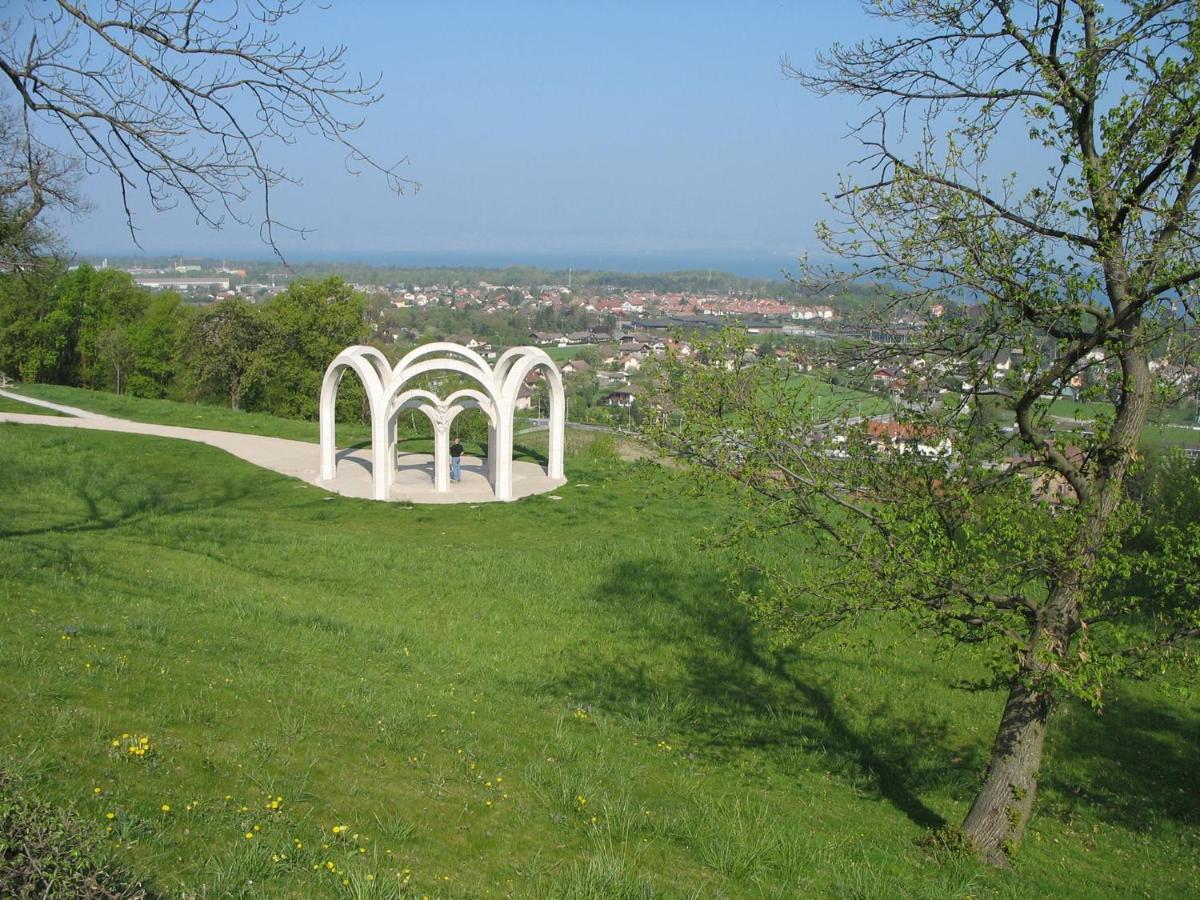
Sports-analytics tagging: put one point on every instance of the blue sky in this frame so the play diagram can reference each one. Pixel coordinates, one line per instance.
(557, 128)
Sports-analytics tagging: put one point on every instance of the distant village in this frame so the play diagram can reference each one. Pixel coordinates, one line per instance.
(603, 338)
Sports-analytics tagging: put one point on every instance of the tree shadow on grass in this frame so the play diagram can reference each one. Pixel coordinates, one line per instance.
(1133, 766)
(733, 695)
(121, 496)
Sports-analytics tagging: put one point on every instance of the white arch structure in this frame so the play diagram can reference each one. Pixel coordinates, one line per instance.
(389, 393)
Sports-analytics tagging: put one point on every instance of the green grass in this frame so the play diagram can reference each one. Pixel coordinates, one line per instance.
(838, 399)
(552, 698)
(16, 406)
(1157, 435)
(191, 415)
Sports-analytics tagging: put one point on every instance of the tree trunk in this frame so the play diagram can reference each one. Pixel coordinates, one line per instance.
(1001, 809)
(998, 816)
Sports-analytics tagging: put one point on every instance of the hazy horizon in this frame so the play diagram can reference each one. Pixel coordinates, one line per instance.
(621, 132)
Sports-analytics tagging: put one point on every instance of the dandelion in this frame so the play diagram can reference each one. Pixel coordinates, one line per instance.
(110, 816)
(249, 835)
(581, 800)
(166, 807)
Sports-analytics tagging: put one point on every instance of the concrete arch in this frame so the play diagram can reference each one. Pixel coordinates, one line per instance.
(375, 357)
(519, 367)
(485, 379)
(364, 366)
(424, 350)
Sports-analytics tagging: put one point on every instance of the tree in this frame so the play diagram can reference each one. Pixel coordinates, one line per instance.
(305, 327)
(223, 349)
(115, 352)
(156, 340)
(181, 99)
(1008, 541)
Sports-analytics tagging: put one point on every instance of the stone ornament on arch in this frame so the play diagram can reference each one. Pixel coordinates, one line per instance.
(389, 393)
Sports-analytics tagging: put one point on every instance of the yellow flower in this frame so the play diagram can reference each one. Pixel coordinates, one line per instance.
(166, 807)
(249, 835)
(110, 815)
(116, 743)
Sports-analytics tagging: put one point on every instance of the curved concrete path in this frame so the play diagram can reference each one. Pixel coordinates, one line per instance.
(298, 459)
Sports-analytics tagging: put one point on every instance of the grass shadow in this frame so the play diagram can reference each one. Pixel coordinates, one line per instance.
(741, 696)
(1132, 766)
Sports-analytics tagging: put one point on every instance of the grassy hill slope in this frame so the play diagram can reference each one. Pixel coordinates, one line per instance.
(547, 698)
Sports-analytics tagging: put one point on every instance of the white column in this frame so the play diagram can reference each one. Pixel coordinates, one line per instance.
(504, 452)
(441, 453)
(391, 449)
(492, 455)
(328, 425)
(558, 425)
(379, 457)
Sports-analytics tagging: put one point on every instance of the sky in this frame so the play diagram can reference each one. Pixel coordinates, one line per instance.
(554, 132)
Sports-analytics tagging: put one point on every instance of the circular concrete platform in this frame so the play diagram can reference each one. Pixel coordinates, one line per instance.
(414, 479)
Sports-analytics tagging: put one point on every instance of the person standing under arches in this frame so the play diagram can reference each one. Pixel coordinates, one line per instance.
(456, 452)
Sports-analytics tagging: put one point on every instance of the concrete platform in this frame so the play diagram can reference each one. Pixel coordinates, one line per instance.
(299, 459)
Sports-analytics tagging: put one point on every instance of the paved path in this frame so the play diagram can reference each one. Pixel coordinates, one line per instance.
(299, 459)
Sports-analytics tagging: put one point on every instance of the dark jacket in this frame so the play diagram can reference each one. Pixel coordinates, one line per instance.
(456, 449)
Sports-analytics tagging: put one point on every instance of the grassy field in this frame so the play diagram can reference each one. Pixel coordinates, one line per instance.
(190, 415)
(16, 406)
(552, 698)
(839, 400)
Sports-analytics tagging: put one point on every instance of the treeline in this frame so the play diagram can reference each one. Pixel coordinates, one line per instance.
(694, 281)
(97, 329)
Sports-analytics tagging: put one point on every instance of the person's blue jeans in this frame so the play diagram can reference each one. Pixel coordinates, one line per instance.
(455, 468)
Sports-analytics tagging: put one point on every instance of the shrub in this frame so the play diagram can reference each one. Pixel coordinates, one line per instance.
(50, 852)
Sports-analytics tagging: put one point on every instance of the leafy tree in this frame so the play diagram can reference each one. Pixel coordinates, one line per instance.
(157, 343)
(305, 327)
(108, 302)
(115, 353)
(940, 519)
(34, 336)
(223, 347)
